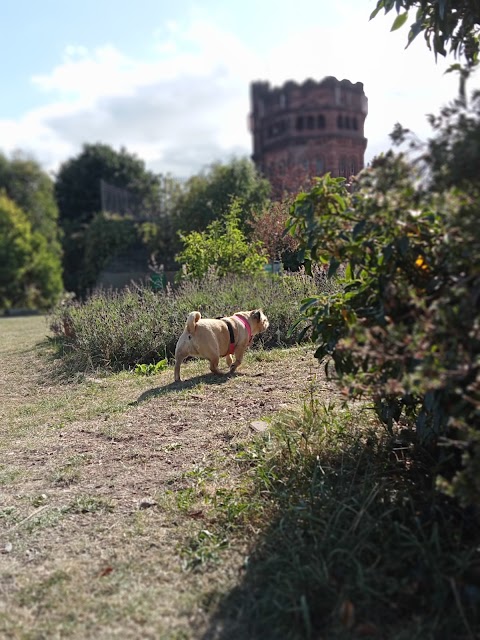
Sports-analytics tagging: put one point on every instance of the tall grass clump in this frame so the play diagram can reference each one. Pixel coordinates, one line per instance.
(352, 541)
(114, 330)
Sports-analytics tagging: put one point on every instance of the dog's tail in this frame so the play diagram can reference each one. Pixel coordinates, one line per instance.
(192, 320)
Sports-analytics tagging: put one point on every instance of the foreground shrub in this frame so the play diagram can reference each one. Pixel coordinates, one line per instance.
(117, 330)
(405, 329)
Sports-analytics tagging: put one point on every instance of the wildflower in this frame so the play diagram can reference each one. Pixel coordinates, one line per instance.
(420, 263)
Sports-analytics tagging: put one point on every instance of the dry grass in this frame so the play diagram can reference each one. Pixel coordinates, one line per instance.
(89, 524)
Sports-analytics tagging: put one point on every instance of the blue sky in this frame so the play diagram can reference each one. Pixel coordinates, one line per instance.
(169, 81)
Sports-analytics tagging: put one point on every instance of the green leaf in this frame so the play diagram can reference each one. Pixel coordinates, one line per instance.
(332, 269)
(358, 228)
(399, 21)
(454, 67)
(377, 9)
(307, 303)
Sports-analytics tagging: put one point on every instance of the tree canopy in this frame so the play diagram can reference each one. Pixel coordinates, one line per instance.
(77, 186)
(207, 196)
(78, 193)
(26, 184)
(30, 274)
(30, 252)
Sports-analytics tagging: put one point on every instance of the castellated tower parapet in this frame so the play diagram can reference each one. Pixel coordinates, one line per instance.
(308, 129)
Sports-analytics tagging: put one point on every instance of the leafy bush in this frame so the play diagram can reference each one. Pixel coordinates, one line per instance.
(117, 330)
(268, 227)
(222, 247)
(405, 329)
(30, 274)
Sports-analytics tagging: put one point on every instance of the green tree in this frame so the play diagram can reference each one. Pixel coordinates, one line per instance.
(77, 186)
(207, 196)
(222, 247)
(78, 193)
(25, 182)
(29, 272)
(106, 236)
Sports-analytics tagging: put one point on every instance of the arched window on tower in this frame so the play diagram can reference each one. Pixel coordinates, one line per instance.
(299, 123)
(342, 167)
(353, 167)
(355, 124)
(340, 122)
(347, 122)
(321, 121)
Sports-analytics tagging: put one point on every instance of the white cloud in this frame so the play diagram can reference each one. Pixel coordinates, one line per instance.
(180, 111)
(187, 105)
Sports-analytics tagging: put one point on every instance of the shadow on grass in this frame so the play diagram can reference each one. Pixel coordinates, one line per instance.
(184, 385)
(356, 546)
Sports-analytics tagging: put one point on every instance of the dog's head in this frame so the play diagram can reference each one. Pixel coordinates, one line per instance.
(258, 321)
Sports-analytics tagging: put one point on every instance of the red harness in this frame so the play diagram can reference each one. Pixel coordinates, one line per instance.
(246, 324)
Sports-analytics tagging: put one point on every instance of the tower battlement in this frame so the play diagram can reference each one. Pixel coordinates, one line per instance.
(310, 128)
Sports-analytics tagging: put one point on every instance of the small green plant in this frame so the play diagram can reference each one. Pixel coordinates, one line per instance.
(222, 247)
(203, 548)
(89, 504)
(70, 471)
(150, 369)
(172, 447)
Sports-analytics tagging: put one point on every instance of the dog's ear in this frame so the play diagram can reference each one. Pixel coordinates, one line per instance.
(256, 315)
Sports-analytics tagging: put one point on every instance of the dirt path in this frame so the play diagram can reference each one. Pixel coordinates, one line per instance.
(89, 533)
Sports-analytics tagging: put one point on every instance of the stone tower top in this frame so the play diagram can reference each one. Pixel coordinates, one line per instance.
(308, 129)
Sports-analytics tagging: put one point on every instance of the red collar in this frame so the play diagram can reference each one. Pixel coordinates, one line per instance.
(246, 324)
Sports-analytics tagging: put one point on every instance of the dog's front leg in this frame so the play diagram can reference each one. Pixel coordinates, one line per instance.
(238, 361)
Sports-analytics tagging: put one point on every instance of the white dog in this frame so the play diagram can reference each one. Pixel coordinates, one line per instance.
(217, 338)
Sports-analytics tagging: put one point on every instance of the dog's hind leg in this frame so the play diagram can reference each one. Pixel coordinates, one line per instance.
(178, 362)
(181, 352)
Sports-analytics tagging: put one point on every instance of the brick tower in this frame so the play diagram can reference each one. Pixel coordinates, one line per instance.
(302, 130)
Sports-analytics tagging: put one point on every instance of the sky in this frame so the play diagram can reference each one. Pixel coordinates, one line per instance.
(169, 81)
